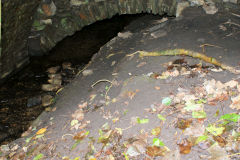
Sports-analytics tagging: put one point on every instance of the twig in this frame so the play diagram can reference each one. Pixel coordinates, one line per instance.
(179, 52)
(229, 22)
(210, 45)
(84, 68)
(234, 154)
(237, 15)
(103, 80)
(67, 135)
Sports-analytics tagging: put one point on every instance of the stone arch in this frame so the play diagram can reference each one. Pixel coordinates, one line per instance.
(54, 20)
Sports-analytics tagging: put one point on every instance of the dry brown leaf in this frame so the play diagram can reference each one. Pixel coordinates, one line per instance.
(78, 114)
(154, 151)
(131, 94)
(80, 136)
(221, 141)
(156, 131)
(231, 84)
(218, 153)
(235, 102)
(157, 87)
(141, 64)
(183, 123)
(196, 129)
(185, 146)
(81, 106)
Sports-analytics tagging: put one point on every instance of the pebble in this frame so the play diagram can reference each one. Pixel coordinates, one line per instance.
(47, 100)
(55, 76)
(55, 81)
(34, 101)
(87, 72)
(66, 65)
(124, 35)
(53, 70)
(159, 33)
(50, 87)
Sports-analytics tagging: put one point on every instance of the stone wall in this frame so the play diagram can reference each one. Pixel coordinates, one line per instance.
(33, 27)
(57, 19)
(16, 25)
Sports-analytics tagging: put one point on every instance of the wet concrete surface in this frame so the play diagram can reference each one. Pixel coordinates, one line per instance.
(132, 91)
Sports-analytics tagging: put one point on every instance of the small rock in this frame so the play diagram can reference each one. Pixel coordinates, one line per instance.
(55, 81)
(50, 87)
(158, 34)
(46, 21)
(210, 8)
(124, 35)
(87, 72)
(55, 76)
(67, 65)
(47, 100)
(3, 136)
(34, 101)
(180, 7)
(53, 70)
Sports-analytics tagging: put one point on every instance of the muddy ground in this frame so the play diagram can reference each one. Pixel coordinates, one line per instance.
(163, 107)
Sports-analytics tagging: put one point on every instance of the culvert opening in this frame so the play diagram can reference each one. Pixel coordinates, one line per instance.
(21, 97)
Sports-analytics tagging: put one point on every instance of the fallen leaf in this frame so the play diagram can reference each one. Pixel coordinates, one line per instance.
(74, 122)
(41, 131)
(78, 114)
(157, 142)
(221, 141)
(199, 114)
(38, 157)
(156, 131)
(183, 123)
(218, 153)
(157, 87)
(81, 135)
(161, 117)
(131, 94)
(231, 84)
(154, 151)
(81, 106)
(216, 131)
(142, 121)
(231, 117)
(235, 102)
(185, 146)
(141, 64)
(196, 129)
(167, 101)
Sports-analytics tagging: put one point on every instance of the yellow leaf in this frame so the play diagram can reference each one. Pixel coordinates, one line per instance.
(41, 131)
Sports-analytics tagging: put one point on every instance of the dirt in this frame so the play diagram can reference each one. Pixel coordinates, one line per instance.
(123, 111)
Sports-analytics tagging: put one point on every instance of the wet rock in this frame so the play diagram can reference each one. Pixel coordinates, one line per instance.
(47, 100)
(3, 136)
(158, 34)
(34, 101)
(67, 65)
(55, 76)
(53, 70)
(210, 7)
(55, 81)
(180, 7)
(124, 35)
(50, 87)
(87, 72)
(46, 21)
(231, 1)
